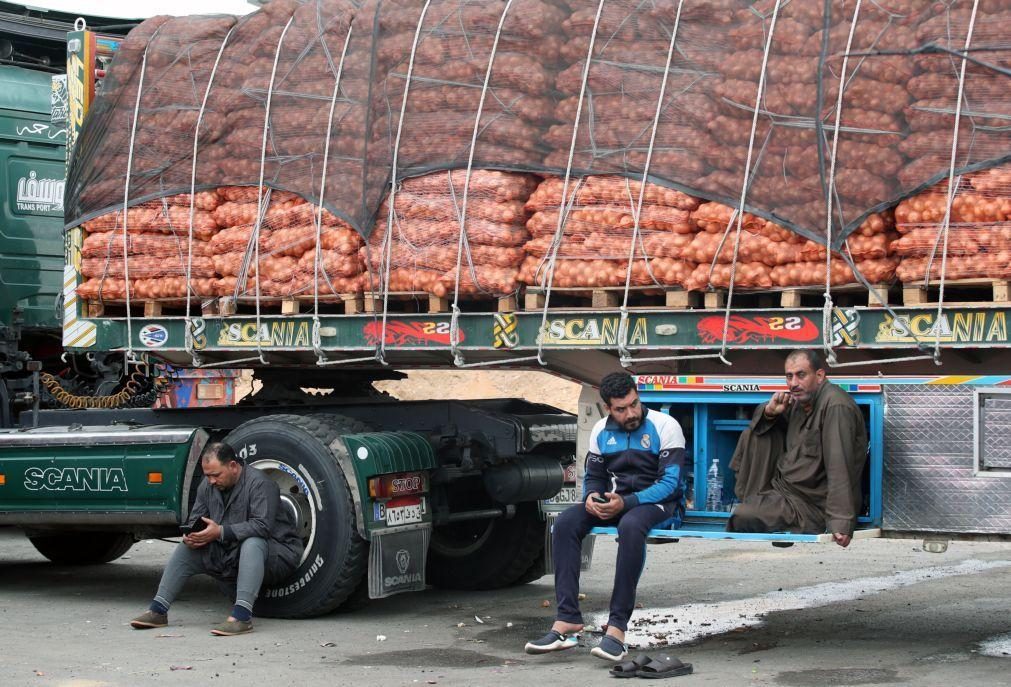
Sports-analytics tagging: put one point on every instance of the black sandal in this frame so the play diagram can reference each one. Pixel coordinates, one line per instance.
(630, 668)
(664, 666)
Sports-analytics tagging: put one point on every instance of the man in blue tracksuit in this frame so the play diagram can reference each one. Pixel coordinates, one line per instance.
(634, 479)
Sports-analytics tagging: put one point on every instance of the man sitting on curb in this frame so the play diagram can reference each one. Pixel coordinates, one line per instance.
(633, 480)
(246, 539)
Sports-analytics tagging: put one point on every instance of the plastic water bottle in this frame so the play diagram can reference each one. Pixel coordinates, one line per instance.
(714, 488)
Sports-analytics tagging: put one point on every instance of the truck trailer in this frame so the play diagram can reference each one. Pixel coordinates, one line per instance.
(390, 495)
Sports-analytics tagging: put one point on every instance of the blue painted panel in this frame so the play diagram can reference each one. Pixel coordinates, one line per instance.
(714, 428)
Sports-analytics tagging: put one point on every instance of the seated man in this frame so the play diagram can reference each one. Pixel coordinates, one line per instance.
(247, 539)
(800, 462)
(633, 480)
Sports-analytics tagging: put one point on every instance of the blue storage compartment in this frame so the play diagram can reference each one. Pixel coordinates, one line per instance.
(712, 423)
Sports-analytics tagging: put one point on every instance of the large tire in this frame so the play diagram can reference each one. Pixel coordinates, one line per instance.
(486, 554)
(83, 548)
(294, 451)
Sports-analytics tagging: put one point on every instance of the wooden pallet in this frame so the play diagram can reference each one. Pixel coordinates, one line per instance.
(958, 291)
(610, 297)
(152, 308)
(422, 301)
(798, 297)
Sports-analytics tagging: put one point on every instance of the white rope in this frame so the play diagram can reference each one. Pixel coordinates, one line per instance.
(130, 356)
(747, 180)
(623, 355)
(391, 200)
(562, 212)
(826, 313)
(188, 333)
(316, 337)
(262, 209)
(454, 331)
(883, 361)
(946, 224)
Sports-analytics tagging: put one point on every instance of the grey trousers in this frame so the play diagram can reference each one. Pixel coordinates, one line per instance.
(186, 562)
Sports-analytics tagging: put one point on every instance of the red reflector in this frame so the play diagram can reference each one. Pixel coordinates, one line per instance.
(154, 478)
(402, 484)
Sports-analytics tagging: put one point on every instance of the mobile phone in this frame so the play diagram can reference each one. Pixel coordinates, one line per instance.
(194, 527)
(599, 499)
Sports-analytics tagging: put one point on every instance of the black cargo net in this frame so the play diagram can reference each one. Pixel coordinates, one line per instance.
(616, 143)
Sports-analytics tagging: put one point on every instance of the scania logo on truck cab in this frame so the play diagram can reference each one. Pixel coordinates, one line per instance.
(75, 479)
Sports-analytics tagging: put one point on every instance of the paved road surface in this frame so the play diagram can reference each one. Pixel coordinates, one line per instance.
(879, 613)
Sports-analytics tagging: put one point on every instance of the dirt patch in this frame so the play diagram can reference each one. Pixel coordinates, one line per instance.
(537, 387)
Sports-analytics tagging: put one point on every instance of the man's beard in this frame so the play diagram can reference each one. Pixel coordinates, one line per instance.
(632, 425)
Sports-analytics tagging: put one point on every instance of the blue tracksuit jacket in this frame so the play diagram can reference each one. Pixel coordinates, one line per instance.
(644, 466)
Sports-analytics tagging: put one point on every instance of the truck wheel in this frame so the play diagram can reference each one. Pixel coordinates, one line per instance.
(294, 451)
(486, 554)
(83, 548)
(535, 572)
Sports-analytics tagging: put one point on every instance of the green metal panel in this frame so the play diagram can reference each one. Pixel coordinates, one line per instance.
(96, 476)
(663, 331)
(383, 453)
(32, 176)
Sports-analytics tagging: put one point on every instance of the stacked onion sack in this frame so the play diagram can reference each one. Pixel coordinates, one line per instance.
(421, 254)
(983, 129)
(979, 238)
(770, 256)
(592, 249)
(156, 234)
(447, 84)
(287, 260)
(623, 82)
(790, 155)
(224, 260)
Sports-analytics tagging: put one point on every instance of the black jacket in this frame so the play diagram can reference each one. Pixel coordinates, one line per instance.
(253, 509)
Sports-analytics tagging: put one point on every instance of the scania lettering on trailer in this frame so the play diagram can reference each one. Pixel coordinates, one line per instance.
(280, 334)
(75, 479)
(593, 331)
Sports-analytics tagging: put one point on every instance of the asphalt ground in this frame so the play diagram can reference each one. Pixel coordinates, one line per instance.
(878, 613)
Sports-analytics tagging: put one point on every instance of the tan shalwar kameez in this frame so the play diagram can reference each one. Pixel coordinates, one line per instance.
(801, 471)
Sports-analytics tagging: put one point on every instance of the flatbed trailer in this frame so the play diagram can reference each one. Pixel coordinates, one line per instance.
(392, 496)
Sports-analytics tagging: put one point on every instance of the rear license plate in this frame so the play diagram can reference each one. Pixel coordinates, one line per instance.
(566, 495)
(403, 515)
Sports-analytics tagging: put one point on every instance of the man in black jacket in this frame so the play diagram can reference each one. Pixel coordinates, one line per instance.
(239, 535)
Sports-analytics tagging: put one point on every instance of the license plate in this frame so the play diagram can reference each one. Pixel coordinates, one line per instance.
(403, 515)
(566, 495)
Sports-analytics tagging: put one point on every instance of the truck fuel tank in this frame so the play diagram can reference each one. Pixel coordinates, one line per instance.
(525, 478)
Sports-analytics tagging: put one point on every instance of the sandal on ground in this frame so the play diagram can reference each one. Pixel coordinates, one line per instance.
(610, 649)
(630, 668)
(664, 666)
(552, 641)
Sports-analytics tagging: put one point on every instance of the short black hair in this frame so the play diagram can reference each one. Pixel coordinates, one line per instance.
(616, 385)
(221, 452)
(813, 357)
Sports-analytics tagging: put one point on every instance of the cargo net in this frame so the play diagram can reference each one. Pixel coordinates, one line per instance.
(303, 149)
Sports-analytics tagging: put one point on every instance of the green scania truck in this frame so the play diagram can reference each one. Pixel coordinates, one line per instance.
(392, 496)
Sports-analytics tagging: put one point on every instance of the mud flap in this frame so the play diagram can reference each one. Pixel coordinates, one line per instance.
(585, 557)
(397, 561)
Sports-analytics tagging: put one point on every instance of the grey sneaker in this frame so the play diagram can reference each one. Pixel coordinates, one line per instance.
(232, 627)
(149, 620)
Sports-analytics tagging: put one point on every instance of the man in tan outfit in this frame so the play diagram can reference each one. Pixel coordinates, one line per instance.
(799, 464)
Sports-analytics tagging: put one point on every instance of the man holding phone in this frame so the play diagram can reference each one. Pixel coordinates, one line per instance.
(634, 479)
(800, 462)
(237, 533)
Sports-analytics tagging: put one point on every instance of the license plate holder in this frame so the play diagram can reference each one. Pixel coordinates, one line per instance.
(404, 515)
(565, 495)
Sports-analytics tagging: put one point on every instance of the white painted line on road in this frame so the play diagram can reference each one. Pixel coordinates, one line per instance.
(999, 646)
(685, 623)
